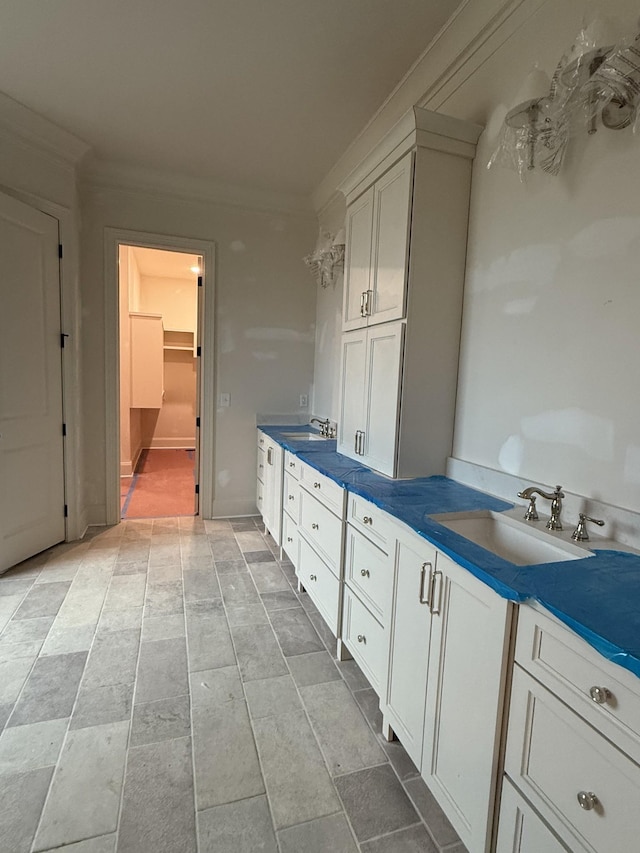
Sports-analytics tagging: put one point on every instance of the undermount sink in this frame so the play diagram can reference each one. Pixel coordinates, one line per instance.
(510, 538)
(304, 436)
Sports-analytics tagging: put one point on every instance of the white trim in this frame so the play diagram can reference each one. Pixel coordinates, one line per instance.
(100, 175)
(462, 46)
(113, 237)
(38, 133)
(180, 442)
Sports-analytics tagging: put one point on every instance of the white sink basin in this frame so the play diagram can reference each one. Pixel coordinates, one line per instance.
(304, 436)
(517, 541)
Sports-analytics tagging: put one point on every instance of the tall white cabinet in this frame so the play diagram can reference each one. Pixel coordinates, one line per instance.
(406, 226)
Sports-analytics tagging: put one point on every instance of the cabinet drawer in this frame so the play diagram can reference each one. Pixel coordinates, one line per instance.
(291, 464)
(367, 641)
(323, 529)
(323, 488)
(521, 830)
(260, 497)
(554, 757)
(291, 497)
(261, 439)
(369, 573)
(572, 669)
(370, 520)
(260, 464)
(290, 538)
(321, 584)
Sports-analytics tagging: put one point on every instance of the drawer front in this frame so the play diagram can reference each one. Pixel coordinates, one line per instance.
(262, 439)
(321, 584)
(291, 464)
(291, 497)
(260, 464)
(290, 539)
(554, 757)
(367, 641)
(369, 573)
(574, 671)
(323, 488)
(260, 497)
(323, 529)
(521, 830)
(372, 521)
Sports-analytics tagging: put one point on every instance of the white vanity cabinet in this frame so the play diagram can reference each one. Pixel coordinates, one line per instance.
(290, 507)
(269, 491)
(447, 670)
(407, 212)
(573, 744)
(320, 549)
(368, 571)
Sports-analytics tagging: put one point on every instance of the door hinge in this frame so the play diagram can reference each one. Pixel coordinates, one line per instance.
(199, 351)
(197, 488)
(63, 335)
(59, 250)
(197, 421)
(66, 511)
(199, 281)
(64, 430)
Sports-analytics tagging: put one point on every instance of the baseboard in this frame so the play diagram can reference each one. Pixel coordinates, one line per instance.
(179, 443)
(232, 508)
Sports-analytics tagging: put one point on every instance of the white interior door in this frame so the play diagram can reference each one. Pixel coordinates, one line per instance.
(31, 443)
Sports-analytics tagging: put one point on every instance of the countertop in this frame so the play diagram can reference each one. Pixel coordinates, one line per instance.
(597, 597)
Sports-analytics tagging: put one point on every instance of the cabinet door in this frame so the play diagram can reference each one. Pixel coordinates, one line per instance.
(521, 830)
(391, 217)
(410, 637)
(354, 345)
(382, 393)
(357, 277)
(465, 690)
(272, 501)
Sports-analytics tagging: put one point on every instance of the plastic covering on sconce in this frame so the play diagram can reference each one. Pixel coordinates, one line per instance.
(613, 91)
(327, 259)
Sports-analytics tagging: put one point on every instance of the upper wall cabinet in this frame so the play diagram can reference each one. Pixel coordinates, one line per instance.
(407, 216)
(377, 250)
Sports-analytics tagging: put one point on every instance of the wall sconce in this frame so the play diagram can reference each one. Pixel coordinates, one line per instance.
(530, 103)
(327, 259)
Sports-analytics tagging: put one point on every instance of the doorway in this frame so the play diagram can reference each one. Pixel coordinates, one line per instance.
(158, 319)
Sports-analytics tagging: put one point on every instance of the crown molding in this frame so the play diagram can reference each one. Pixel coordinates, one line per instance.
(37, 133)
(466, 41)
(101, 175)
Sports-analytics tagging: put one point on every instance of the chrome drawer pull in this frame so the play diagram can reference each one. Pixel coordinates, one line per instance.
(367, 519)
(600, 695)
(365, 573)
(587, 800)
(362, 638)
(314, 527)
(291, 497)
(423, 578)
(313, 577)
(316, 485)
(292, 464)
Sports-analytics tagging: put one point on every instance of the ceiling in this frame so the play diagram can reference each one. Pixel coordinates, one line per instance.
(160, 263)
(263, 94)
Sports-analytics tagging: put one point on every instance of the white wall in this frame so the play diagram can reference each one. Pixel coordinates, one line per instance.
(549, 342)
(264, 326)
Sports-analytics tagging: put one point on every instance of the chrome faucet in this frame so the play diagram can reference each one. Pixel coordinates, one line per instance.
(324, 426)
(531, 514)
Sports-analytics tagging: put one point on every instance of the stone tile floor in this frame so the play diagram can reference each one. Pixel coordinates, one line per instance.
(165, 689)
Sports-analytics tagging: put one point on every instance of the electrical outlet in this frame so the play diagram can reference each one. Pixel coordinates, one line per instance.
(225, 400)
(304, 401)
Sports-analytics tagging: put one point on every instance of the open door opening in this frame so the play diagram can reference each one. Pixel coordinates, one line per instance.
(159, 381)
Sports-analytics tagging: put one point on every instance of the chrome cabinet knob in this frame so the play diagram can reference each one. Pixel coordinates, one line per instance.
(362, 638)
(314, 527)
(316, 485)
(291, 497)
(600, 695)
(292, 464)
(587, 800)
(313, 577)
(289, 539)
(367, 519)
(365, 573)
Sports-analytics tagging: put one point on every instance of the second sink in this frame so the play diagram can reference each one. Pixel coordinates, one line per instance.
(510, 538)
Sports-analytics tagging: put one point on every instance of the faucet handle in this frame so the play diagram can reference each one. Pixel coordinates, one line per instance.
(531, 513)
(558, 492)
(580, 534)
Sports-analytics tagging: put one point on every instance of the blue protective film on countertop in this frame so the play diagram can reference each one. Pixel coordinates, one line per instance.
(597, 596)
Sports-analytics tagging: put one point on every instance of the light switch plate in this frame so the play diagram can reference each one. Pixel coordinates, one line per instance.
(225, 400)
(304, 401)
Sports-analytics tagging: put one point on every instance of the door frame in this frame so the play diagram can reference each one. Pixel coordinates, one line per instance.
(113, 238)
